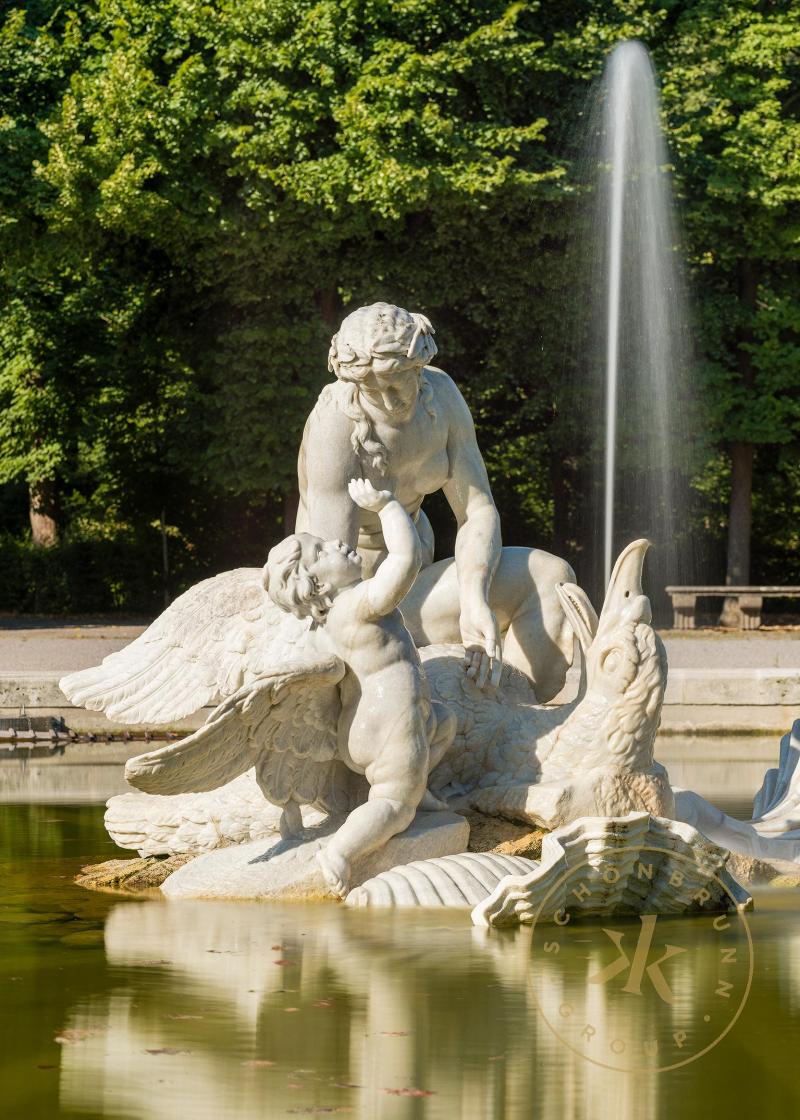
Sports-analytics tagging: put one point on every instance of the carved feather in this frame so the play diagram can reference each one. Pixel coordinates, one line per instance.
(284, 723)
(219, 635)
(192, 822)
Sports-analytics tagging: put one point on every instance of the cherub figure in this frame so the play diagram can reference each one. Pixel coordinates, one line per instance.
(388, 722)
(381, 723)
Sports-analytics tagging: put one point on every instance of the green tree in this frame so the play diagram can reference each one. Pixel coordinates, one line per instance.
(194, 193)
(731, 96)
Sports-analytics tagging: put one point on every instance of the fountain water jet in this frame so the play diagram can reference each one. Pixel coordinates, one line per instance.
(642, 331)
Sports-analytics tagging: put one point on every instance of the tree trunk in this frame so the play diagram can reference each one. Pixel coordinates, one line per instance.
(291, 500)
(43, 512)
(740, 513)
(330, 307)
(739, 522)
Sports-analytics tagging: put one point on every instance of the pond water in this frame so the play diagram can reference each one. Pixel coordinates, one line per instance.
(726, 769)
(126, 1008)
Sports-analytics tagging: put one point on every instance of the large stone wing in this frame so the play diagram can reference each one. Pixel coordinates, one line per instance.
(284, 724)
(219, 635)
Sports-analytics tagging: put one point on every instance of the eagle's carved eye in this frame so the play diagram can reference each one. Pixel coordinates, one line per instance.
(610, 660)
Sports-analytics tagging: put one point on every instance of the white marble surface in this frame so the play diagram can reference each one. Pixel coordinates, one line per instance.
(636, 864)
(291, 870)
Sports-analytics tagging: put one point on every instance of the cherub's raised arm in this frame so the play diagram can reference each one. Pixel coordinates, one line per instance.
(396, 575)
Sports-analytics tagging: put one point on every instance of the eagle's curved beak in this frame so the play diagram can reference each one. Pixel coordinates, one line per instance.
(625, 596)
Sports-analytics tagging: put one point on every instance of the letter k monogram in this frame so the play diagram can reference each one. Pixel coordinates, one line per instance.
(639, 965)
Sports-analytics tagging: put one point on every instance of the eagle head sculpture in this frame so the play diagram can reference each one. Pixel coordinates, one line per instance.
(595, 757)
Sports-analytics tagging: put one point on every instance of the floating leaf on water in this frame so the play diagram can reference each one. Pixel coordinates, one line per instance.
(411, 1092)
(75, 1034)
(315, 1110)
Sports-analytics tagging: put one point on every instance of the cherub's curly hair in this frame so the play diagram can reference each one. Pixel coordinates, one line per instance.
(380, 338)
(291, 586)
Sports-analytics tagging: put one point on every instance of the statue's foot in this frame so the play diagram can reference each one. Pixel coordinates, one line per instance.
(431, 804)
(335, 870)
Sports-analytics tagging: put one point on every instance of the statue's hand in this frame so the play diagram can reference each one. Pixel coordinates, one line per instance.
(480, 634)
(366, 496)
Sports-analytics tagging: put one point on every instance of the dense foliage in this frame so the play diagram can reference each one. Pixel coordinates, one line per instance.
(194, 193)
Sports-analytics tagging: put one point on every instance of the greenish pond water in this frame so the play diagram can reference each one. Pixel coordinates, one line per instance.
(125, 1008)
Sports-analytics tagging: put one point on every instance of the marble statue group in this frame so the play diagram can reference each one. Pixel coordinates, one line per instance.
(366, 698)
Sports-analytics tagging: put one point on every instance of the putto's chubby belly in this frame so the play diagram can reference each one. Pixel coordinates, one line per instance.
(386, 709)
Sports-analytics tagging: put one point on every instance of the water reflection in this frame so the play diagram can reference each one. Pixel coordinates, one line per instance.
(359, 1012)
(238, 1008)
(648, 994)
(726, 770)
(166, 1009)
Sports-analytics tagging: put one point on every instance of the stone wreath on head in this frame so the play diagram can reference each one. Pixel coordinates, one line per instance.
(380, 338)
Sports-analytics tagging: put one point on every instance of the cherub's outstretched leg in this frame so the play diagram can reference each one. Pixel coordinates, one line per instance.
(430, 803)
(390, 809)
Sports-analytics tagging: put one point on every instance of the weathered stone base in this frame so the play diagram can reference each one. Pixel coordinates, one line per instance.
(289, 869)
(502, 837)
(752, 872)
(134, 875)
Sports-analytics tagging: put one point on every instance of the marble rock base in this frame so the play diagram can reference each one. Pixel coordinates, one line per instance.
(289, 869)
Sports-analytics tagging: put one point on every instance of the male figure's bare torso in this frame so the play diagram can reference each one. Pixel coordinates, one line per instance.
(417, 456)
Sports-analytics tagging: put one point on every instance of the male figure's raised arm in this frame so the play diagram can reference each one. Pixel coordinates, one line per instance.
(396, 575)
(326, 464)
(478, 542)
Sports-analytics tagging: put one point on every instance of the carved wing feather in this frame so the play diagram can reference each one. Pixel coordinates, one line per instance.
(284, 723)
(219, 635)
(277, 774)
